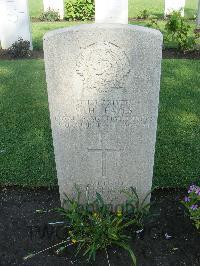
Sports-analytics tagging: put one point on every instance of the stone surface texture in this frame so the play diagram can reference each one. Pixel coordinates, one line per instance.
(103, 91)
(174, 5)
(111, 11)
(14, 22)
(57, 5)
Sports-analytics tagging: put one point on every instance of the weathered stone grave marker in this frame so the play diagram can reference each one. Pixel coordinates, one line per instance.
(15, 23)
(174, 5)
(56, 5)
(103, 91)
(111, 11)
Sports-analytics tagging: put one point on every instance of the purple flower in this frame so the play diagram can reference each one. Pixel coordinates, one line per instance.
(192, 188)
(186, 199)
(198, 191)
(194, 207)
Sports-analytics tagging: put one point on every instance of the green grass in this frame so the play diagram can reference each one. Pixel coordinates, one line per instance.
(161, 24)
(40, 28)
(26, 145)
(35, 8)
(25, 141)
(178, 146)
(155, 7)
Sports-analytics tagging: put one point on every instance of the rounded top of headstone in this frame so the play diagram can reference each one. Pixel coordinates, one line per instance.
(95, 26)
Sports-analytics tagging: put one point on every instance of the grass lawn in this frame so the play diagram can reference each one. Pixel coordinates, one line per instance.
(25, 141)
(155, 7)
(26, 145)
(40, 28)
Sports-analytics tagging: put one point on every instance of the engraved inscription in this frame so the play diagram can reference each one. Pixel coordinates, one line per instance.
(102, 113)
(103, 66)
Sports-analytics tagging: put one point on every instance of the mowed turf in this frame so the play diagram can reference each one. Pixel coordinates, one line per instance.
(40, 28)
(155, 7)
(26, 151)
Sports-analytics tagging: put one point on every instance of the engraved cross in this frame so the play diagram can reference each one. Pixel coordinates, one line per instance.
(104, 152)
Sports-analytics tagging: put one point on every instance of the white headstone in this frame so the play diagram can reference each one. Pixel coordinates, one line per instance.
(15, 23)
(2, 12)
(56, 5)
(103, 91)
(111, 11)
(174, 5)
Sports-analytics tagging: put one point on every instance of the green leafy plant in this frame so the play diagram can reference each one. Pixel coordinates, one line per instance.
(138, 211)
(96, 229)
(95, 226)
(80, 10)
(144, 14)
(19, 49)
(50, 15)
(178, 31)
(192, 203)
(153, 22)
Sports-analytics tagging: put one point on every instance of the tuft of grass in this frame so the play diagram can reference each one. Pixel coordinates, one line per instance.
(26, 150)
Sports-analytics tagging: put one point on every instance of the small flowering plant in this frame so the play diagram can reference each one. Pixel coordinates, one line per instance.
(95, 225)
(192, 203)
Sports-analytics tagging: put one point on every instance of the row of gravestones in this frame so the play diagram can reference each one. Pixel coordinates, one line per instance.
(15, 21)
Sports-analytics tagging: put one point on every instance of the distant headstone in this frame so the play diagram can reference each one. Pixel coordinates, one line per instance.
(174, 5)
(15, 23)
(56, 5)
(111, 11)
(2, 12)
(103, 90)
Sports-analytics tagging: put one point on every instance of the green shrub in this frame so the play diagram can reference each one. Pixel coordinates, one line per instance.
(50, 15)
(153, 22)
(80, 10)
(144, 14)
(178, 31)
(19, 49)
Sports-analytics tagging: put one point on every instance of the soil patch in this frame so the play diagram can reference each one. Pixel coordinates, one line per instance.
(168, 239)
(34, 55)
(167, 54)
